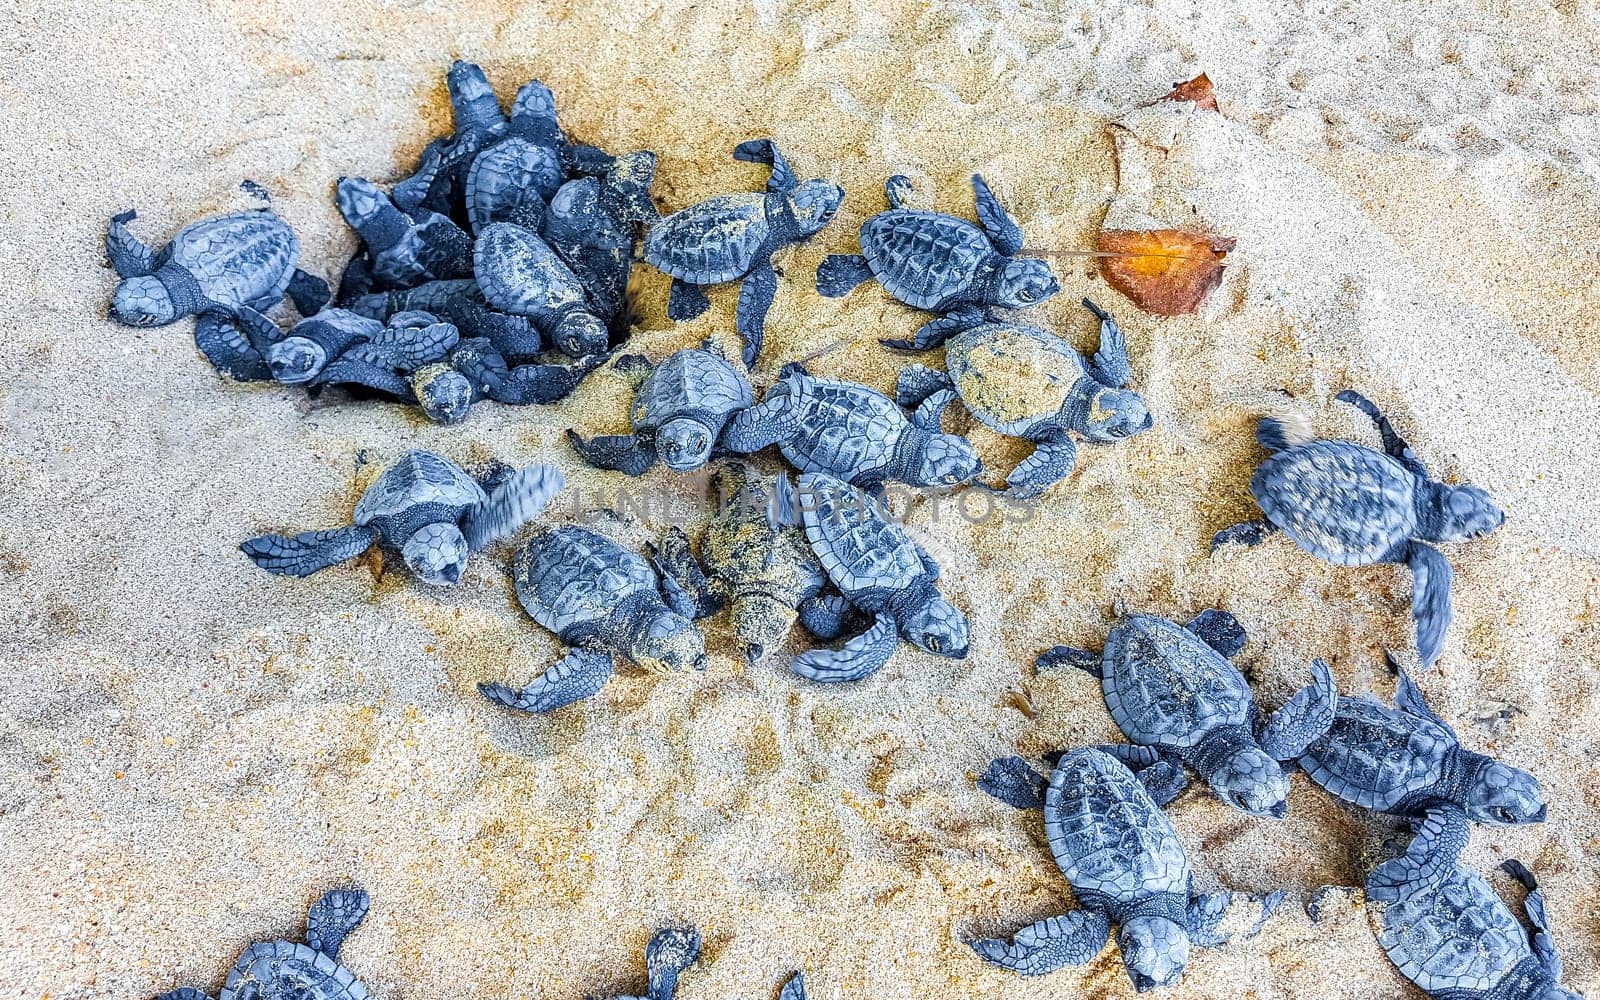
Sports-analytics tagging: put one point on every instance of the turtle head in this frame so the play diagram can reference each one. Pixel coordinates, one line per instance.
(814, 204)
(667, 642)
(1155, 950)
(948, 460)
(684, 443)
(1505, 795)
(1026, 281)
(143, 301)
(1115, 414)
(444, 393)
(579, 334)
(1252, 783)
(1464, 512)
(437, 553)
(761, 623)
(534, 109)
(939, 627)
(471, 98)
(294, 360)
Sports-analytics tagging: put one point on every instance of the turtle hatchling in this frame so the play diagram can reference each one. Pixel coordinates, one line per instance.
(1406, 761)
(1355, 506)
(670, 953)
(1459, 941)
(288, 970)
(593, 223)
(519, 274)
(679, 411)
(934, 261)
(732, 237)
(853, 432)
(1127, 867)
(600, 599)
(428, 509)
(1172, 691)
(405, 249)
(1026, 382)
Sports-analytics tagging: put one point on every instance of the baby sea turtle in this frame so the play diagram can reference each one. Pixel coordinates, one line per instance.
(1354, 506)
(1127, 867)
(404, 248)
(441, 177)
(879, 570)
(1172, 691)
(519, 169)
(671, 951)
(593, 223)
(1406, 761)
(853, 432)
(288, 970)
(426, 507)
(733, 237)
(938, 262)
(1026, 382)
(1459, 941)
(600, 599)
(228, 270)
(521, 275)
(679, 411)
(310, 344)
(460, 301)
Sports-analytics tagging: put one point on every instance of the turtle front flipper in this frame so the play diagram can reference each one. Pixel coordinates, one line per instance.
(860, 657)
(768, 422)
(1431, 577)
(260, 331)
(1541, 940)
(674, 561)
(1246, 533)
(574, 677)
(1393, 444)
(626, 453)
(766, 151)
(686, 301)
(918, 382)
(309, 551)
(1003, 230)
(518, 500)
(309, 293)
(353, 369)
(1207, 911)
(220, 339)
(1111, 366)
(1060, 657)
(1052, 943)
(842, 273)
(795, 988)
(755, 298)
(1052, 461)
(128, 255)
(1428, 859)
(1015, 782)
(935, 332)
(1219, 630)
(479, 361)
(1304, 718)
(668, 954)
(930, 411)
(333, 917)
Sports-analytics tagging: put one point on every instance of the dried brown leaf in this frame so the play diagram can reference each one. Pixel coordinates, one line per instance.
(1197, 91)
(1163, 271)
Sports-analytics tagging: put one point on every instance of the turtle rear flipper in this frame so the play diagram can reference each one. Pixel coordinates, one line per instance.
(842, 273)
(518, 500)
(574, 677)
(333, 917)
(309, 293)
(1013, 781)
(1303, 718)
(1052, 943)
(861, 657)
(309, 551)
(1219, 630)
(686, 301)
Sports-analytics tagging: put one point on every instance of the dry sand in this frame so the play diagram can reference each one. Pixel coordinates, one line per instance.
(190, 749)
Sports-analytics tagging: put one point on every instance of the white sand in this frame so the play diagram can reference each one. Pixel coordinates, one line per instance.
(190, 750)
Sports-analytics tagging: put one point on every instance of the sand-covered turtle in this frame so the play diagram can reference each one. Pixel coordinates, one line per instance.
(289, 970)
(404, 248)
(519, 274)
(1127, 868)
(1173, 693)
(227, 270)
(428, 509)
(853, 432)
(679, 411)
(600, 599)
(1028, 383)
(592, 224)
(1406, 761)
(732, 237)
(1458, 940)
(934, 261)
(1352, 505)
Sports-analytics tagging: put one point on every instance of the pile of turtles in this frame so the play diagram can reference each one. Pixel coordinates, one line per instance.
(500, 270)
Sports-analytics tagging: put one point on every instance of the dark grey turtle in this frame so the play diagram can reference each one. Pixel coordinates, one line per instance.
(428, 509)
(877, 569)
(593, 223)
(934, 261)
(310, 344)
(289, 970)
(1459, 941)
(386, 361)
(732, 237)
(600, 599)
(461, 302)
(679, 411)
(671, 952)
(1126, 866)
(519, 274)
(853, 432)
(1172, 691)
(228, 270)
(405, 248)
(490, 376)
(1406, 761)
(1354, 506)
(1026, 382)
(440, 179)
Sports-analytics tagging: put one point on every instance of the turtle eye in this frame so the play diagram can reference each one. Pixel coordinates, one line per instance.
(933, 644)
(1025, 295)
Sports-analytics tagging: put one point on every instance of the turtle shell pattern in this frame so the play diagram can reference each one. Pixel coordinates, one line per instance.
(420, 489)
(842, 427)
(924, 259)
(1108, 835)
(519, 273)
(866, 555)
(1165, 687)
(1375, 756)
(1458, 936)
(690, 381)
(284, 970)
(509, 175)
(242, 259)
(714, 241)
(1340, 501)
(569, 577)
(1013, 378)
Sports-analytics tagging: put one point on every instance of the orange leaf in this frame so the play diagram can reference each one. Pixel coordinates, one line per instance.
(1198, 91)
(1164, 271)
